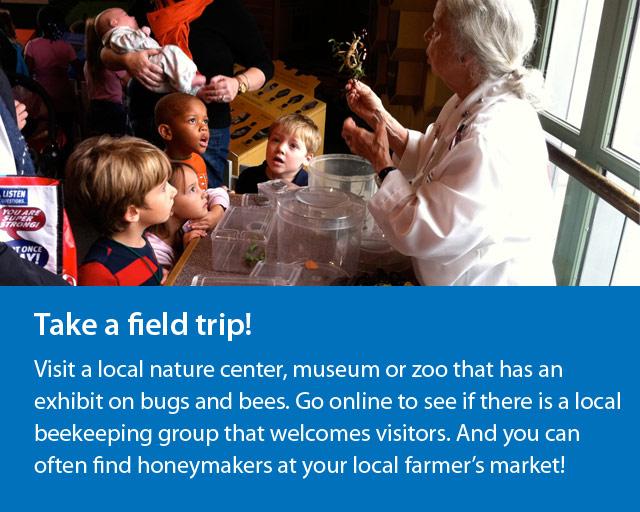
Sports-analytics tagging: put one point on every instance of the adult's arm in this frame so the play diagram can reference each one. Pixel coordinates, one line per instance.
(253, 77)
(240, 32)
(136, 64)
(448, 216)
(371, 146)
(224, 89)
(366, 104)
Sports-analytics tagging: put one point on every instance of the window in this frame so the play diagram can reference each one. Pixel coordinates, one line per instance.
(626, 269)
(590, 54)
(626, 138)
(613, 253)
(559, 180)
(575, 31)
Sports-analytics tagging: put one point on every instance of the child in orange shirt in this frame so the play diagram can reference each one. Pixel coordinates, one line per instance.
(183, 124)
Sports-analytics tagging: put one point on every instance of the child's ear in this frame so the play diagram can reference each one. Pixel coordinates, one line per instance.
(165, 131)
(307, 159)
(132, 214)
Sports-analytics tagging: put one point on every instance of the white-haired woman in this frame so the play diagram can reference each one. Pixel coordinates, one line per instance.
(469, 199)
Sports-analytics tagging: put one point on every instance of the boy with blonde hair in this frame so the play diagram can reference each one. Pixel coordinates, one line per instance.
(120, 186)
(293, 141)
(183, 123)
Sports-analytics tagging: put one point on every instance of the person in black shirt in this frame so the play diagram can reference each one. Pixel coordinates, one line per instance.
(224, 34)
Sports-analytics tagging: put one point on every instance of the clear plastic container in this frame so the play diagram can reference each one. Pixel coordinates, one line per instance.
(229, 280)
(272, 189)
(242, 239)
(263, 274)
(320, 226)
(349, 173)
(254, 200)
(345, 172)
(321, 274)
(378, 254)
(286, 274)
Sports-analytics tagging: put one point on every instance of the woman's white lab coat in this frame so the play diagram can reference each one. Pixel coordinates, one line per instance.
(471, 204)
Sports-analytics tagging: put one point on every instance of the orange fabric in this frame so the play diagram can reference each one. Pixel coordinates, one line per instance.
(23, 35)
(199, 165)
(170, 24)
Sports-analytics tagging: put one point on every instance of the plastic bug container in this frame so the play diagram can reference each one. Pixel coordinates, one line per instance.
(345, 172)
(286, 274)
(228, 280)
(256, 200)
(320, 226)
(241, 239)
(272, 189)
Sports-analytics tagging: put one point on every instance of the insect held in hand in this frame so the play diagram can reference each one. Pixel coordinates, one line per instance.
(351, 55)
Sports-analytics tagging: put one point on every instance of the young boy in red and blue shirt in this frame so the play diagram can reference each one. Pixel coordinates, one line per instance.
(120, 186)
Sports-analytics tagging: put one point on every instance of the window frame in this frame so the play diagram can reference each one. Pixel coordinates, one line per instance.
(594, 137)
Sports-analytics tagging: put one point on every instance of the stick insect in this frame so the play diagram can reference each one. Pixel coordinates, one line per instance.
(351, 55)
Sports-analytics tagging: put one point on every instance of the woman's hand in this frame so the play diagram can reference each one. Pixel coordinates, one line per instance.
(21, 114)
(220, 89)
(366, 104)
(142, 69)
(373, 146)
(363, 101)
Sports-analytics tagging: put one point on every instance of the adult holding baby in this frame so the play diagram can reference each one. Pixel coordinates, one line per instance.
(121, 33)
(469, 199)
(216, 34)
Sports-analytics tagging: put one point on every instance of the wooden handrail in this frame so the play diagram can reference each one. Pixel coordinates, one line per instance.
(620, 199)
(175, 272)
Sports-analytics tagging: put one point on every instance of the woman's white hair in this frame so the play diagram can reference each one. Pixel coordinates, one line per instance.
(499, 34)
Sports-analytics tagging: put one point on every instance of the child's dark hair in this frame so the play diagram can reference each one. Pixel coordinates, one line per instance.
(177, 169)
(50, 22)
(170, 106)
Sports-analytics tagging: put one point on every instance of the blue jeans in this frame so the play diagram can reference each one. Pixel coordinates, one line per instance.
(216, 156)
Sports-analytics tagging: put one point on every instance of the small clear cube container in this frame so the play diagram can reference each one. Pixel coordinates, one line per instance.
(263, 274)
(286, 274)
(231, 280)
(242, 239)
